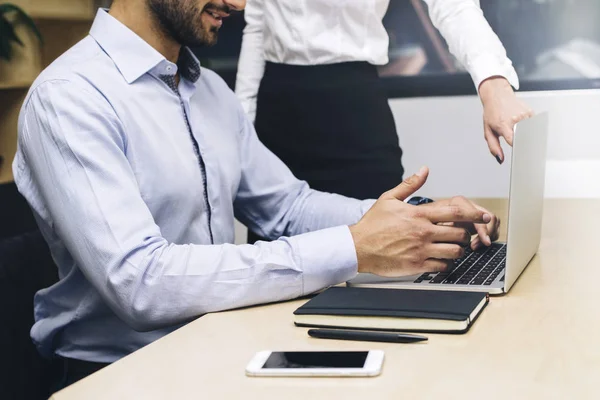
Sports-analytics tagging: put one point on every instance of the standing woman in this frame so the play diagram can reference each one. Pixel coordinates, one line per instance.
(307, 74)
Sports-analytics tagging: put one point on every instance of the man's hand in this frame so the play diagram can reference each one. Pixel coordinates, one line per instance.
(501, 111)
(485, 233)
(395, 238)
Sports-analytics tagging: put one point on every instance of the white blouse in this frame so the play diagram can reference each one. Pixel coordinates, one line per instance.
(309, 32)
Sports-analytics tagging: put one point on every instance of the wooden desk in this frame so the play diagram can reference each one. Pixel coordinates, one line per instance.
(539, 341)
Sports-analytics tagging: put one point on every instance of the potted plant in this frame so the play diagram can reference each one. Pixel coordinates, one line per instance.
(20, 60)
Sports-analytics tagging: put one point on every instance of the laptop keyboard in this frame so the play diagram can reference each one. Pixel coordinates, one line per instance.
(480, 267)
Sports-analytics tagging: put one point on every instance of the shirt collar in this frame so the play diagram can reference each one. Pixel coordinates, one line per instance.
(189, 65)
(132, 55)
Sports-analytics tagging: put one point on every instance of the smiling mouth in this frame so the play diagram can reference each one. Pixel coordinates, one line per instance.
(217, 16)
(214, 15)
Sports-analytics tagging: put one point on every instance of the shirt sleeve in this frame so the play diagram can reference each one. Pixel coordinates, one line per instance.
(251, 64)
(471, 39)
(74, 154)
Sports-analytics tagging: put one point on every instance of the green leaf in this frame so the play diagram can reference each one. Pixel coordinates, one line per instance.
(7, 28)
(7, 7)
(5, 42)
(5, 49)
(8, 31)
(22, 17)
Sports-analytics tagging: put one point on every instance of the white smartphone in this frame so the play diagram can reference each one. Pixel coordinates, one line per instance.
(316, 363)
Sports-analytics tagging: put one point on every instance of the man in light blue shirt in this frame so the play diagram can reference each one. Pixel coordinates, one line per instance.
(135, 161)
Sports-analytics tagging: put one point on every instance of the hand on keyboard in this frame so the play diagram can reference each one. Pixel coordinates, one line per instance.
(396, 239)
(486, 232)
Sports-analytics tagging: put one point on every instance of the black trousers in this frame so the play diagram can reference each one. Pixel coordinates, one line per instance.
(332, 126)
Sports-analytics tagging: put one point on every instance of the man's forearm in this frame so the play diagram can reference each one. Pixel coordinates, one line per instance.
(315, 210)
(164, 284)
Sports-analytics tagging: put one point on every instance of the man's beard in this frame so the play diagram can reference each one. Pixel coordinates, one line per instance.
(182, 21)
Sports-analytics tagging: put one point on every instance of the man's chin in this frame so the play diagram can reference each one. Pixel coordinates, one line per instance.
(213, 40)
(204, 42)
(213, 37)
(209, 43)
(209, 39)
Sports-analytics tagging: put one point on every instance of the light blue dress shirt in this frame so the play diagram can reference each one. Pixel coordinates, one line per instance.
(107, 162)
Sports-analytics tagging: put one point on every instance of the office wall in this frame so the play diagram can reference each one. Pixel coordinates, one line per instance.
(446, 134)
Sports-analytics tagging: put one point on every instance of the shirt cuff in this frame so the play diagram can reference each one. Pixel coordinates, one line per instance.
(249, 107)
(486, 66)
(252, 111)
(327, 257)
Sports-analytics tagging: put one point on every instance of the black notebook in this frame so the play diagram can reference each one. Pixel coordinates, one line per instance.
(392, 309)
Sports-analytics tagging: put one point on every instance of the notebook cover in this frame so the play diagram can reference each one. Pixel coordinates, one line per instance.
(407, 303)
(423, 330)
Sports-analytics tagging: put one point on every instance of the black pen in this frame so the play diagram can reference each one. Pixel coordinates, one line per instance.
(365, 336)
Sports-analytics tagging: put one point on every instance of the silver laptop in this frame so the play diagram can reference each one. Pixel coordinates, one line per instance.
(495, 269)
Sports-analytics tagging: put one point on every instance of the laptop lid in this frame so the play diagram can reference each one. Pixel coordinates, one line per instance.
(526, 196)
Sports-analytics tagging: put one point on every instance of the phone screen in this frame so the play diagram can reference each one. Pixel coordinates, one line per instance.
(316, 359)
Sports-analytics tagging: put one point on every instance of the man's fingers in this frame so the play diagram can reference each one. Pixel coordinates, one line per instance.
(433, 265)
(483, 234)
(476, 243)
(493, 232)
(493, 143)
(447, 234)
(488, 233)
(458, 209)
(449, 213)
(467, 226)
(408, 186)
(496, 231)
(445, 251)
